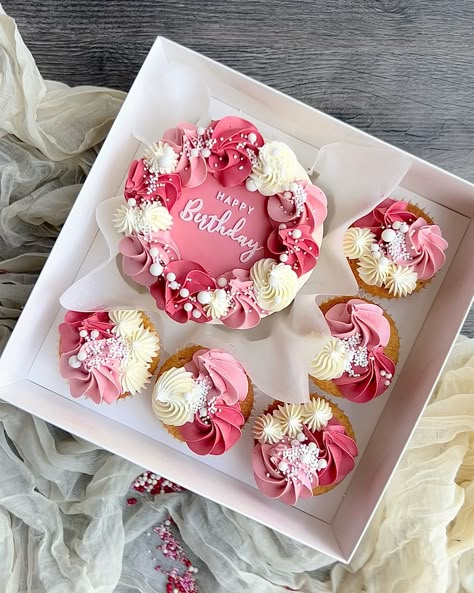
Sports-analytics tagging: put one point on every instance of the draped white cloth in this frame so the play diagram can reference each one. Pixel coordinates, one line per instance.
(65, 524)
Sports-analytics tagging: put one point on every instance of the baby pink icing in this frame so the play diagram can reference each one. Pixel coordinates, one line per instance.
(220, 228)
(426, 246)
(101, 383)
(225, 374)
(210, 222)
(265, 460)
(227, 386)
(358, 316)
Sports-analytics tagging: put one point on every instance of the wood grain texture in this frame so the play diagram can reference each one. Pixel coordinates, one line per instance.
(398, 69)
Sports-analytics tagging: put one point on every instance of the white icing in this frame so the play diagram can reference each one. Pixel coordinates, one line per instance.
(144, 346)
(357, 242)
(173, 396)
(135, 377)
(125, 322)
(330, 361)
(124, 219)
(400, 281)
(290, 418)
(160, 158)
(275, 284)
(267, 430)
(317, 413)
(155, 217)
(276, 169)
(373, 270)
(218, 305)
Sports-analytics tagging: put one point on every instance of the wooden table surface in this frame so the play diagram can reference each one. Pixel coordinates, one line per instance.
(401, 70)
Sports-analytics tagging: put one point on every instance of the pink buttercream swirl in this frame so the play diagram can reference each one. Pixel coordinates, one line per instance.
(368, 381)
(101, 383)
(272, 482)
(244, 312)
(384, 215)
(183, 139)
(300, 475)
(232, 150)
(358, 316)
(362, 325)
(136, 260)
(143, 186)
(227, 382)
(302, 252)
(426, 247)
(424, 243)
(283, 208)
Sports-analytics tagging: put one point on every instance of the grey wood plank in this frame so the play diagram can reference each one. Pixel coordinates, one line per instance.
(398, 69)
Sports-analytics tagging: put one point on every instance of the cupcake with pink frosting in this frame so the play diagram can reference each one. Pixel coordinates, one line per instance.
(358, 361)
(106, 356)
(203, 397)
(302, 450)
(394, 250)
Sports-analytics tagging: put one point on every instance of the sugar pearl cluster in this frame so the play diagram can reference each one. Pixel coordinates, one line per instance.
(151, 483)
(380, 257)
(360, 356)
(97, 351)
(301, 457)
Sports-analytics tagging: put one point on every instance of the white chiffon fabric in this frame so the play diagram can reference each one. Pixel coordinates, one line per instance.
(65, 525)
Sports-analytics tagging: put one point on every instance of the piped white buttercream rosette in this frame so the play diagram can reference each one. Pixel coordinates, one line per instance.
(278, 352)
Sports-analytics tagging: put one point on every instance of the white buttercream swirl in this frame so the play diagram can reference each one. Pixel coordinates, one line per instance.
(373, 271)
(290, 418)
(400, 280)
(125, 322)
(144, 345)
(135, 377)
(155, 218)
(330, 361)
(357, 242)
(275, 285)
(219, 304)
(125, 219)
(276, 169)
(317, 413)
(161, 158)
(172, 400)
(267, 430)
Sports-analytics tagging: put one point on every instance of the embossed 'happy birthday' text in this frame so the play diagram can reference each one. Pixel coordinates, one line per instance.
(211, 223)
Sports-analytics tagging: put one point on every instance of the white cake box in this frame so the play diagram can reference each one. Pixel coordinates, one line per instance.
(28, 367)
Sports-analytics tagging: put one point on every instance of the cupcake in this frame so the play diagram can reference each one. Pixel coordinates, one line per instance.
(394, 250)
(302, 450)
(203, 397)
(107, 356)
(358, 361)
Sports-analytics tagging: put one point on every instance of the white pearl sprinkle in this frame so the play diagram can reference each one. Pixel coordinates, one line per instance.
(173, 285)
(74, 363)
(200, 131)
(184, 292)
(83, 333)
(396, 225)
(250, 184)
(132, 202)
(388, 235)
(389, 375)
(383, 373)
(300, 436)
(282, 466)
(404, 227)
(188, 307)
(171, 276)
(387, 382)
(222, 282)
(282, 226)
(374, 247)
(284, 257)
(312, 446)
(94, 334)
(204, 297)
(196, 313)
(153, 252)
(206, 153)
(81, 356)
(252, 138)
(297, 234)
(156, 269)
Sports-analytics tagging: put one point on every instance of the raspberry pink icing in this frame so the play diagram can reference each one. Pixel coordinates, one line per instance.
(99, 384)
(385, 214)
(216, 426)
(290, 469)
(219, 226)
(364, 331)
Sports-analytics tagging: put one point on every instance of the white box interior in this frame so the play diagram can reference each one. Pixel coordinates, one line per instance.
(30, 379)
